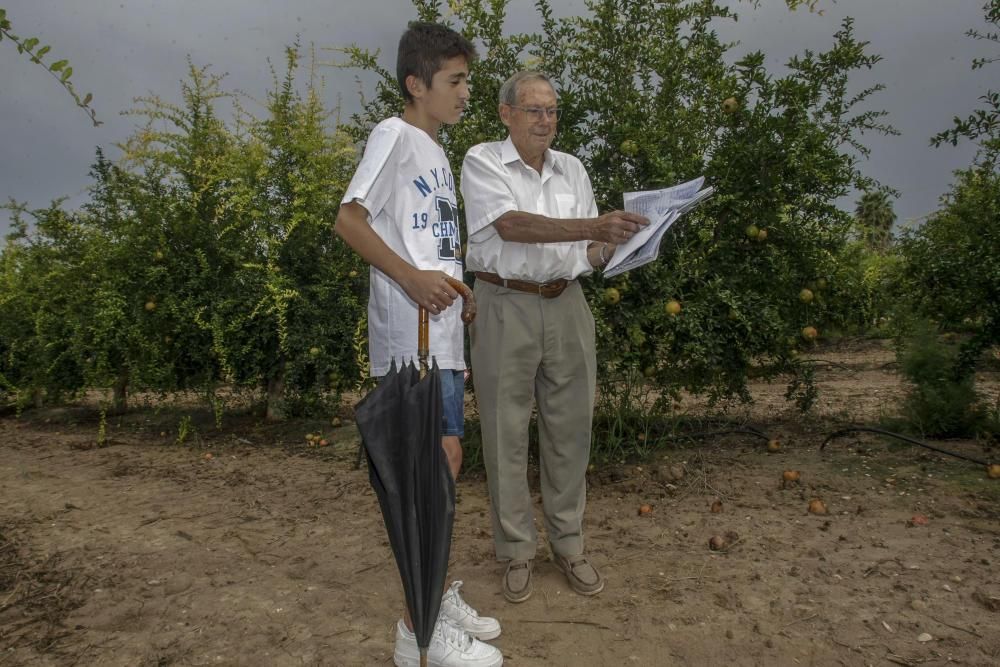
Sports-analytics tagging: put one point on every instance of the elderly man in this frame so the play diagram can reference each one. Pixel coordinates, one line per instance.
(533, 229)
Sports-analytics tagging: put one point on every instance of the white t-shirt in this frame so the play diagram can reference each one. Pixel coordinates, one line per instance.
(406, 185)
(496, 180)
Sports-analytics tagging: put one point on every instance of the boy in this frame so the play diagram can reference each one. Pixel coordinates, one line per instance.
(400, 214)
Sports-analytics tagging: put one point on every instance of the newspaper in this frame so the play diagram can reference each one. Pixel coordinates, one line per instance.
(662, 208)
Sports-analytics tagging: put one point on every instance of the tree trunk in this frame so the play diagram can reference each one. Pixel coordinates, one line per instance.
(276, 394)
(119, 400)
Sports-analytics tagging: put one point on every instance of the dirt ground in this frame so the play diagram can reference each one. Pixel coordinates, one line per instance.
(146, 552)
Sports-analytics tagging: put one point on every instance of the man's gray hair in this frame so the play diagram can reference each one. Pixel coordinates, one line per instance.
(508, 91)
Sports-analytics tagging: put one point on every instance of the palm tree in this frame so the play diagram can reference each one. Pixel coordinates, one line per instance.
(875, 217)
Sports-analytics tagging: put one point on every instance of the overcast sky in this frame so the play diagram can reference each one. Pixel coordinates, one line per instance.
(121, 49)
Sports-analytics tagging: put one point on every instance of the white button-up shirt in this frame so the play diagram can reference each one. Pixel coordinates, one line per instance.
(496, 180)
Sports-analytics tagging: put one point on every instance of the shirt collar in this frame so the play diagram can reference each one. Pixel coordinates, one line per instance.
(508, 154)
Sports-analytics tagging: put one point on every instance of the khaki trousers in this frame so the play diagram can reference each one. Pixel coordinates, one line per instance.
(527, 347)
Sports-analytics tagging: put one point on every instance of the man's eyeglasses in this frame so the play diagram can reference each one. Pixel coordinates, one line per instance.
(536, 114)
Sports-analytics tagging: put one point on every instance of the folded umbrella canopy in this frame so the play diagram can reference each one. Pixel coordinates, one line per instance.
(400, 423)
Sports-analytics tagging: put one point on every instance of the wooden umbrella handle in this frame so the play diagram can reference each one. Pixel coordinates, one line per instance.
(423, 318)
(423, 343)
(468, 301)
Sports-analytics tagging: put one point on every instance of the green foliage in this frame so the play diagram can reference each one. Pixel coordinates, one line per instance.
(225, 227)
(626, 416)
(205, 258)
(874, 218)
(940, 403)
(778, 161)
(642, 87)
(185, 429)
(60, 69)
(102, 428)
(949, 274)
(276, 293)
(951, 267)
(811, 5)
(982, 125)
(864, 288)
(38, 271)
(313, 293)
(164, 216)
(862, 284)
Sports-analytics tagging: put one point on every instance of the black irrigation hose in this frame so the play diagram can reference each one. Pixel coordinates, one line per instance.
(904, 438)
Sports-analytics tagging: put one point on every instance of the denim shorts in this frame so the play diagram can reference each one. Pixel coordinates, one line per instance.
(453, 402)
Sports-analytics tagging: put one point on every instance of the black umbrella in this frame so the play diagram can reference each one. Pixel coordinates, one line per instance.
(400, 425)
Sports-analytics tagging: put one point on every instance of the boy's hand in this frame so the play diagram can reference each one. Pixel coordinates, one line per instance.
(429, 289)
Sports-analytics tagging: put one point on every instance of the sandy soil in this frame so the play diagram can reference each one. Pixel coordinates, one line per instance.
(146, 552)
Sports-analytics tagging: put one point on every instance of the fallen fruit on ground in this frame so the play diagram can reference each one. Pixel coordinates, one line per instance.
(717, 543)
(645, 509)
(918, 520)
(773, 446)
(817, 506)
(993, 471)
(790, 476)
(716, 507)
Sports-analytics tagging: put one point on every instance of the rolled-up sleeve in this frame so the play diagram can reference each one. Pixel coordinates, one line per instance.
(486, 189)
(367, 187)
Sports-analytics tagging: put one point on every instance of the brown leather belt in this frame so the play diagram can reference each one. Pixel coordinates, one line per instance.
(546, 290)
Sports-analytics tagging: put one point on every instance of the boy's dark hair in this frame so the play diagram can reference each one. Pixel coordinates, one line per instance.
(422, 49)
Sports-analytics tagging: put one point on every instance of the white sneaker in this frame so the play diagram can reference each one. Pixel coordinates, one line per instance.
(450, 647)
(461, 614)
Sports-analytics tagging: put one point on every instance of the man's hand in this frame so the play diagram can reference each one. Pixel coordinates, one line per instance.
(429, 289)
(617, 227)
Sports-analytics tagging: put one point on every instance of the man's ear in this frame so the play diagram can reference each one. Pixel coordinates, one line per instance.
(504, 111)
(415, 85)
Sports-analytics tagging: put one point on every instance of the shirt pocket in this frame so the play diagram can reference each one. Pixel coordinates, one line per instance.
(566, 204)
